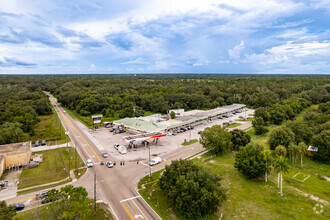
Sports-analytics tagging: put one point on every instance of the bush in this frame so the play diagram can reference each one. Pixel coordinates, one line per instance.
(250, 161)
(192, 190)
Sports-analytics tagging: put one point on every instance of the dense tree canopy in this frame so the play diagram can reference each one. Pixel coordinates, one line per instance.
(6, 213)
(216, 139)
(250, 161)
(192, 190)
(281, 136)
(239, 138)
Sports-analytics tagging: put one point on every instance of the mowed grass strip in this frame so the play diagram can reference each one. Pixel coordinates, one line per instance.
(49, 129)
(190, 142)
(51, 169)
(234, 125)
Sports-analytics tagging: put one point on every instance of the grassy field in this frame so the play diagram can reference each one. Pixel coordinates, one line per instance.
(43, 187)
(234, 125)
(251, 199)
(51, 169)
(190, 142)
(45, 213)
(49, 129)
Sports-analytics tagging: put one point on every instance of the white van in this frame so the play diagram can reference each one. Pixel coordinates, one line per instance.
(155, 161)
(122, 149)
(89, 163)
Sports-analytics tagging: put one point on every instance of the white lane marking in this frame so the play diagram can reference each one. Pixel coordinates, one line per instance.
(140, 211)
(138, 216)
(144, 164)
(135, 197)
(113, 211)
(145, 202)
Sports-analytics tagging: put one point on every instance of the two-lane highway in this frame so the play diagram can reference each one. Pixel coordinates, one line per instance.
(112, 187)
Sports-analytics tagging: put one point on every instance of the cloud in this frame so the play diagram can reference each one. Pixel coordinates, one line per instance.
(92, 67)
(235, 53)
(136, 61)
(12, 62)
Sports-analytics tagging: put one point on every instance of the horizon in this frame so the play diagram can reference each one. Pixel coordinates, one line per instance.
(279, 37)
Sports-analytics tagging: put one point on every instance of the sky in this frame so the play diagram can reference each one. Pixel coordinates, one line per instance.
(164, 36)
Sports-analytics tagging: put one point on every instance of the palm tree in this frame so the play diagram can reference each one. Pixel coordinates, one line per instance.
(267, 158)
(296, 152)
(290, 150)
(302, 150)
(280, 165)
(281, 152)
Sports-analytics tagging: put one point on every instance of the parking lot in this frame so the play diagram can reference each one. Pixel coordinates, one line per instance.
(105, 140)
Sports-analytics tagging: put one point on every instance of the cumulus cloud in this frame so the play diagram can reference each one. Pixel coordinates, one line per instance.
(235, 53)
(136, 61)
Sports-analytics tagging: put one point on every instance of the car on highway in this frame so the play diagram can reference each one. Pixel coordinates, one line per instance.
(109, 164)
(64, 111)
(18, 206)
(105, 154)
(155, 161)
(89, 163)
(41, 194)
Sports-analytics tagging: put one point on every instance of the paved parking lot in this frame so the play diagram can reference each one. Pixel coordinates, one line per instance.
(105, 140)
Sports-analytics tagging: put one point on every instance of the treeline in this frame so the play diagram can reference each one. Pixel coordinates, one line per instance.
(20, 106)
(118, 95)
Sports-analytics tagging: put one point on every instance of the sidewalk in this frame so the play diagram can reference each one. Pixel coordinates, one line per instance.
(42, 148)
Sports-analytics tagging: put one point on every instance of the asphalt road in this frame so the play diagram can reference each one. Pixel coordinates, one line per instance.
(115, 186)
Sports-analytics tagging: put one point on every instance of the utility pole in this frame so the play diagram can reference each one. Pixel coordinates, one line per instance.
(145, 144)
(94, 193)
(190, 133)
(67, 148)
(75, 157)
(134, 111)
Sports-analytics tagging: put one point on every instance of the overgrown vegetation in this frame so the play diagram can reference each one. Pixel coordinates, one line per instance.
(51, 169)
(67, 203)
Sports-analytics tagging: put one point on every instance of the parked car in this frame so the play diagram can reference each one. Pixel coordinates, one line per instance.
(43, 142)
(89, 163)
(155, 161)
(36, 144)
(112, 129)
(105, 154)
(18, 206)
(200, 132)
(42, 194)
(109, 164)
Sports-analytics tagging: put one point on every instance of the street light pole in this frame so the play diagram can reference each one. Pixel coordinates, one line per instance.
(145, 144)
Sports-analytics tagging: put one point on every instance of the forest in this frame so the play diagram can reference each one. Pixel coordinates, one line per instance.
(277, 97)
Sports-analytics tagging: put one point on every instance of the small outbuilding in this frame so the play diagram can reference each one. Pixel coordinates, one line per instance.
(311, 149)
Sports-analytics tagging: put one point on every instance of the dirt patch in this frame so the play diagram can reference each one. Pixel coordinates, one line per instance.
(315, 198)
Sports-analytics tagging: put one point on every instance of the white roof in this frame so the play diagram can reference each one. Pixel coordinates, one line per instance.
(311, 148)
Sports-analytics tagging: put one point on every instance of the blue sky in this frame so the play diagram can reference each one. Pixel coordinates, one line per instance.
(157, 36)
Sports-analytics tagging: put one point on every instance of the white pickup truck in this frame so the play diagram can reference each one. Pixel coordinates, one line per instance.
(155, 161)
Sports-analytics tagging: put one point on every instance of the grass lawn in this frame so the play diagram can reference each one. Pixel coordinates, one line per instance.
(301, 114)
(51, 169)
(190, 142)
(234, 125)
(49, 129)
(42, 187)
(251, 199)
(45, 213)
(86, 120)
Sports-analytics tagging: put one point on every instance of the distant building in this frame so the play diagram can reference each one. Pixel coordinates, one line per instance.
(311, 149)
(14, 155)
